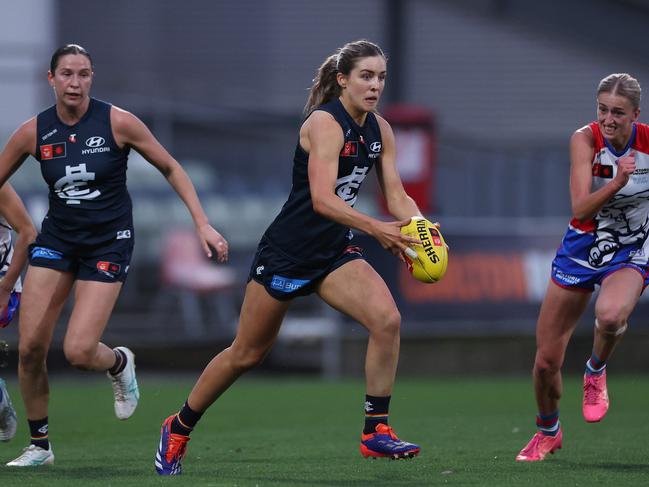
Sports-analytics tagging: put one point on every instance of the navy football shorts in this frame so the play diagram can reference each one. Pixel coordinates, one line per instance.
(285, 279)
(108, 262)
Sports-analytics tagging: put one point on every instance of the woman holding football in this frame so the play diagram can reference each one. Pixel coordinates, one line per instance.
(605, 245)
(86, 239)
(307, 250)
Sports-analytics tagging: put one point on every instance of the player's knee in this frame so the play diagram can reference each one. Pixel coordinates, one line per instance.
(387, 322)
(246, 358)
(610, 320)
(547, 364)
(80, 357)
(31, 353)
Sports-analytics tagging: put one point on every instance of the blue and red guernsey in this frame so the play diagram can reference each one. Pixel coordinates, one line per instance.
(85, 171)
(618, 233)
(299, 232)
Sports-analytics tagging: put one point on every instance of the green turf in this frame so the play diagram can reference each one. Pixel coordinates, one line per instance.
(296, 432)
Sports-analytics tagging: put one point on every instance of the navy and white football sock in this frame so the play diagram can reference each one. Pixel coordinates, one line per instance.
(376, 411)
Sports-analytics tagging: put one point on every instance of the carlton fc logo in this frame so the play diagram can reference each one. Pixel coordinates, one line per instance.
(75, 185)
(347, 186)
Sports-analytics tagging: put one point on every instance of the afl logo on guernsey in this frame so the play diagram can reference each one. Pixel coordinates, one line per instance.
(96, 145)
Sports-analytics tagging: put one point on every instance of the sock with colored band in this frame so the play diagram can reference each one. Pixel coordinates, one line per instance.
(548, 424)
(376, 412)
(595, 366)
(120, 362)
(39, 430)
(185, 420)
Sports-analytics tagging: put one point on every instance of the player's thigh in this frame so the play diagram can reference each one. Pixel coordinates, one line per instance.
(357, 290)
(93, 304)
(560, 312)
(260, 319)
(44, 293)
(619, 294)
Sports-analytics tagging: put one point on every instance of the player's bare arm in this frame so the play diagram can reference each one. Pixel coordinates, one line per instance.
(131, 131)
(400, 205)
(13, 210)
(585, 205)
(20, 145)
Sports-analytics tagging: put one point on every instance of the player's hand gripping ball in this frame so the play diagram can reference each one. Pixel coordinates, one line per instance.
(426, 261)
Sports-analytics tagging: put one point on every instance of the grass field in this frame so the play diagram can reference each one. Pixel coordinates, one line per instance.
(298, 432)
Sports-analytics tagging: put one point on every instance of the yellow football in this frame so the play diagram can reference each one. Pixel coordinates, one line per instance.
(426, 261)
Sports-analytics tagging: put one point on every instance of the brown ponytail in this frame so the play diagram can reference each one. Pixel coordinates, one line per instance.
(325, 85)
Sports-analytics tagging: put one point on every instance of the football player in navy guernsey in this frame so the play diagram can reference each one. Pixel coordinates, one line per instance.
(606, 245)
(13, 257)
(307, 249)
(86, 238)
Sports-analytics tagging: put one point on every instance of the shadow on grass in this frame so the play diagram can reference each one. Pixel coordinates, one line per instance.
(624, 467)
(609, 467)
(95, 472)
(305, 481)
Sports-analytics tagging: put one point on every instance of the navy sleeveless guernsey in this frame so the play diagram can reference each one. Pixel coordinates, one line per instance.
(85, 171)
(300, 233)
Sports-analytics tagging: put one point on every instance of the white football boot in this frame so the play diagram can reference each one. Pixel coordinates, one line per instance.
(8, 421)
(125, 387)
(33, 456)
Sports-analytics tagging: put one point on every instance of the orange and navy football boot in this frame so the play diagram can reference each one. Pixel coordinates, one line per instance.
(385, 444)
(171, 450)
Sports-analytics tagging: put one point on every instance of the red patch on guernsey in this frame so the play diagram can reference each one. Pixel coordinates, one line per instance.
(52, 151)
(350, 149)
(602, 170)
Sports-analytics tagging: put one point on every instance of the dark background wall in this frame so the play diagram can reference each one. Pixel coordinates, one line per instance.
(222, 85)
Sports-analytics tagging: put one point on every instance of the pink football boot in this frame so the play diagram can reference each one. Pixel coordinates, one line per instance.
(539, 446)
(595, 402)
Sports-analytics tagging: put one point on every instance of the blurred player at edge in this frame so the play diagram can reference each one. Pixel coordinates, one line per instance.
(307, 250)
(86, 237)
(605, 245)
(13, 257)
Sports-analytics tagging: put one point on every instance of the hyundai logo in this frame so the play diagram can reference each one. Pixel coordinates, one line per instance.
(376, 146)
(97, 141)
